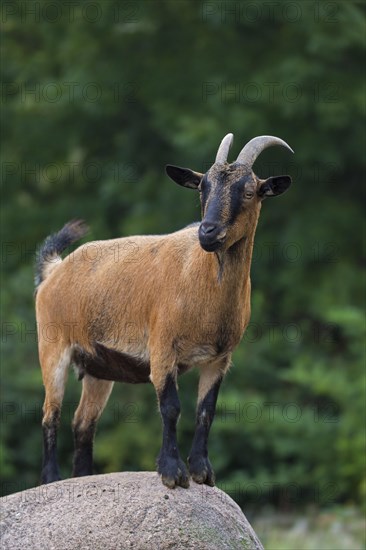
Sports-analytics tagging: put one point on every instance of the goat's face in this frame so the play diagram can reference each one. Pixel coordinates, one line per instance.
(230, 194)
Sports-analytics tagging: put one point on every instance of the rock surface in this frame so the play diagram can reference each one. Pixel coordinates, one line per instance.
(121, 511)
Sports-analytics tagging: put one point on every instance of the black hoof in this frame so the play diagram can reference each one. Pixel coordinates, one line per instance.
(82, 473)
(201, 470)
(49, 477)
(173, 472)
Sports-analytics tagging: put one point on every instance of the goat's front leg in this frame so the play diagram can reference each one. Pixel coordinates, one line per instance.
(210, 381)
(169, 463)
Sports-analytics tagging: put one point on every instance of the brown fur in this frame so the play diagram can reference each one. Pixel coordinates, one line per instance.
(144, 307)
(130, 301)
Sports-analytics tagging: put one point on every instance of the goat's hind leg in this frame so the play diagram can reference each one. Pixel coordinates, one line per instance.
(94, 398)
(55, 364)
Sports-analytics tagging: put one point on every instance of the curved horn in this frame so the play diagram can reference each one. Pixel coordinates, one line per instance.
(255, 146)
(223, 150)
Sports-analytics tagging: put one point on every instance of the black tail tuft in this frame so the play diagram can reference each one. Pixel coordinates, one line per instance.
(55, 244)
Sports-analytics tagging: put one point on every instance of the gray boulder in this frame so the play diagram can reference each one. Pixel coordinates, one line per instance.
(121, 511)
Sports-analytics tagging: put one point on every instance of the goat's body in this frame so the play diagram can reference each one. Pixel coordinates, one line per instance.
(149, 308)
(113, 320)
(121, 310)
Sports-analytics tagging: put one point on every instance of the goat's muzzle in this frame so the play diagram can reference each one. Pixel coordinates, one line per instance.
(211, 236)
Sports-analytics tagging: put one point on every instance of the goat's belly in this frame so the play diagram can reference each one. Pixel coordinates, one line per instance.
(109, 364)
(117, 366)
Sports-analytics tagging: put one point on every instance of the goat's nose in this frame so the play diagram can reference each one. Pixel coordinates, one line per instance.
(207, 227)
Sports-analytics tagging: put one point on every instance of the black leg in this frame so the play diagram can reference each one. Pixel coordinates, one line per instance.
(94, 398)
(50, 468)
(83, 454)
(199, 464)
(169, 464)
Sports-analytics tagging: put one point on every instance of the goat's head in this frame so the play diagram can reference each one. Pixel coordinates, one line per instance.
(231, 194)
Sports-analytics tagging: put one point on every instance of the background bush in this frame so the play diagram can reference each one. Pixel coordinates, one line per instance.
(95, 103)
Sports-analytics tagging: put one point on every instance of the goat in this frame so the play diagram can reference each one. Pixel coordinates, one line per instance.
(186, 295)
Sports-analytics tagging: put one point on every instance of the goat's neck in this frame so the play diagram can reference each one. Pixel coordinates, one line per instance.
(235, 263)
(229, 270)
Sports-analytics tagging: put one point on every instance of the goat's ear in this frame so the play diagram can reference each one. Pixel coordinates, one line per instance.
(184, 176)
(273, 186)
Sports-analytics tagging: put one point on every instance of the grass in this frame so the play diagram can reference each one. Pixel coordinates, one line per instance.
(340, 528)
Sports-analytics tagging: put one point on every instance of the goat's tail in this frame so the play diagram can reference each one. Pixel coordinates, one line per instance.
(48, 255)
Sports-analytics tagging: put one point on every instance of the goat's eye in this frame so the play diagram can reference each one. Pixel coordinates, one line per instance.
(248, 194)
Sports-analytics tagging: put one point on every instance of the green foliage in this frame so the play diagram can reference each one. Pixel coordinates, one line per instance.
(92, 111)
(337, 527)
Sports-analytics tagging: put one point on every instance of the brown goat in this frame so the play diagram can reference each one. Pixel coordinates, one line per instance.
(148, 308)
